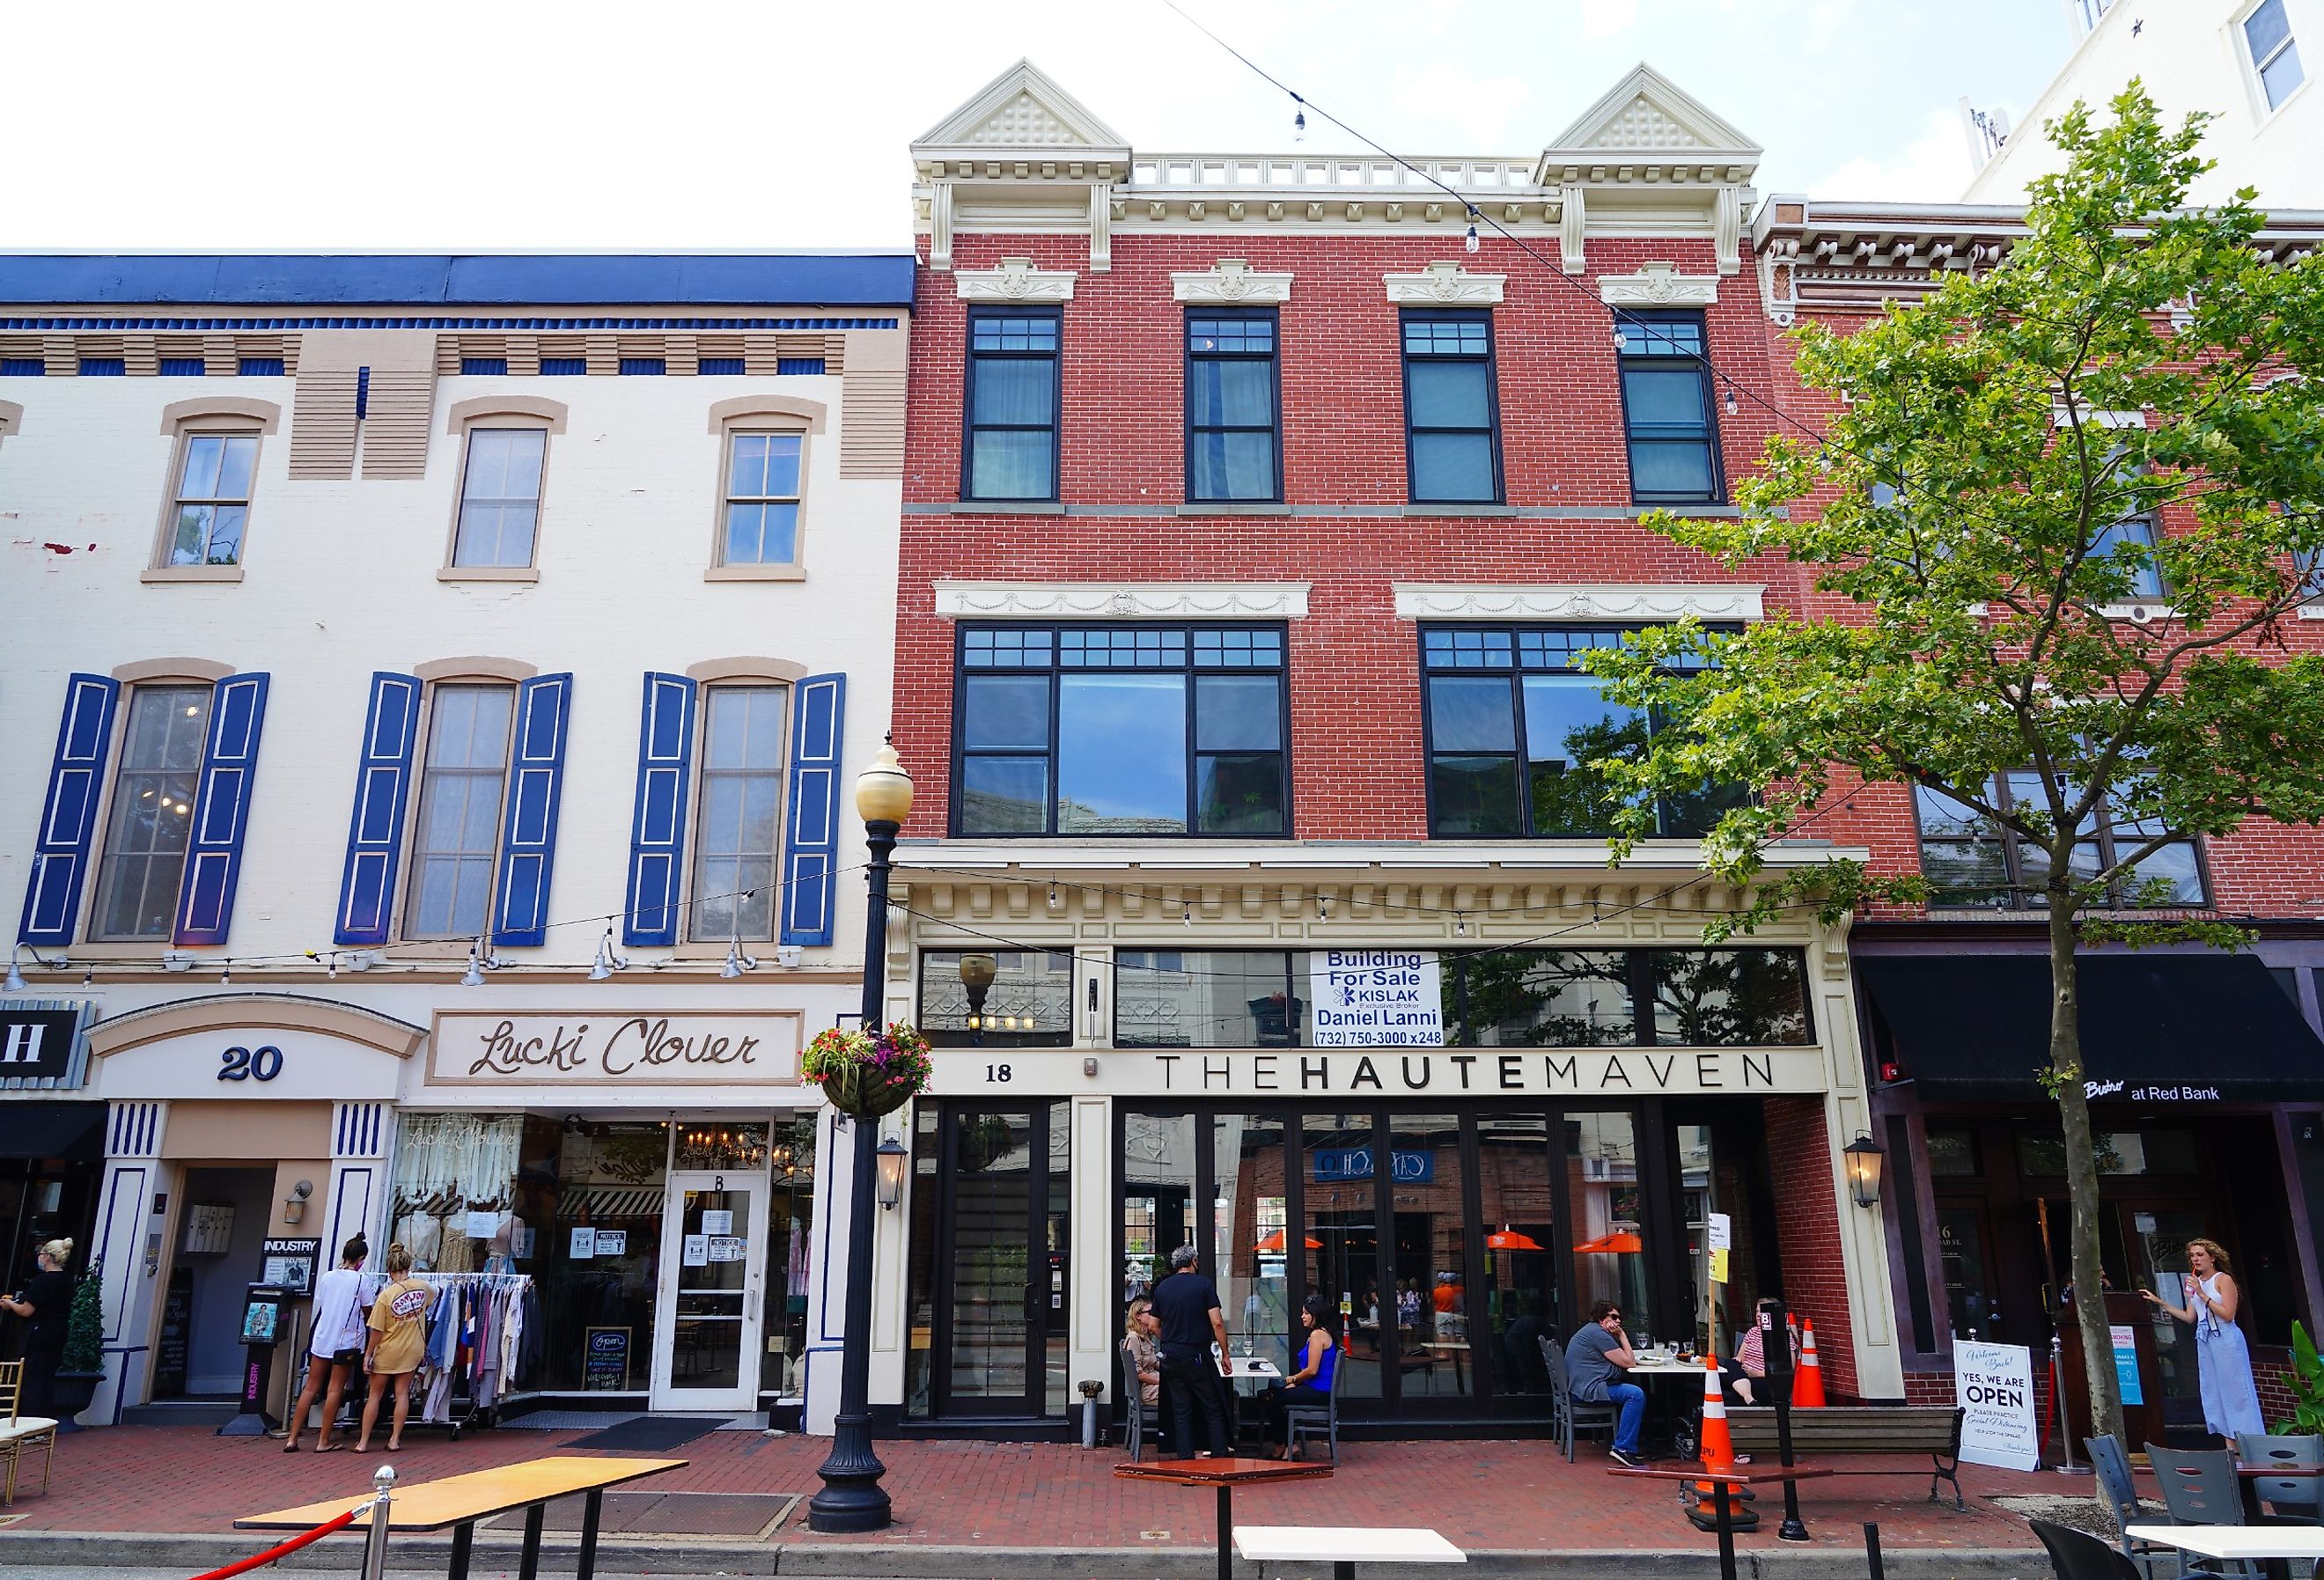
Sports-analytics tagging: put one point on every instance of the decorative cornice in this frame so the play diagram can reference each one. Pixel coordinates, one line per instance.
(1444, 283)
(1658, 284)
(1147, 600)
(1016, 280)
(1605, 601)
(1230, 283)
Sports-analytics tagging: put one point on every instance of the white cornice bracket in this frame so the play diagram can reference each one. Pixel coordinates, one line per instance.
(1444, 283)
(1149, 600)
(1230, 283)
(1631, 601)
(1016, 280)
(1658, 284)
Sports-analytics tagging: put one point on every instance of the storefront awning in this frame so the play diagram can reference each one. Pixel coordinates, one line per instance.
(2161, 1030)
(74, 1131)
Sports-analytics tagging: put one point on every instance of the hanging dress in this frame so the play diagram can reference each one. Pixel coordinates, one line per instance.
(2223, 1365)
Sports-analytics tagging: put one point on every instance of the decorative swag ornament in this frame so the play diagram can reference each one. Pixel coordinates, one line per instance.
(869, 1074)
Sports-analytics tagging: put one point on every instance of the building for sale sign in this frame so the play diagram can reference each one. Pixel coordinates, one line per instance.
(1376, 998)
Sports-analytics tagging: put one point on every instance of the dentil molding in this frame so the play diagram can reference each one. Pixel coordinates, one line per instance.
(1603, 601)
(1658, 285)
(1016, 280)
(1230, 283)
(1444, 283)
(1144, 600)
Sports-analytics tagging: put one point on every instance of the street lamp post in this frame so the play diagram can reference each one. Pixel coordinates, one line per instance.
(852, 1498)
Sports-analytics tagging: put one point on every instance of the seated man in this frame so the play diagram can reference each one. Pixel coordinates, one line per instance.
(1595, 1359)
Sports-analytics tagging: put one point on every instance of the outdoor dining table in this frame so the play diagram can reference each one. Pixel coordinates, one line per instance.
(2267, 1543)
(1722, 1478)
(1670, 1420)
(1226, 1475)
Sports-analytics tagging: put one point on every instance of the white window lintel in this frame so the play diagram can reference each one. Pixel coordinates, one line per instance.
(1143, 600)
(1599, 601)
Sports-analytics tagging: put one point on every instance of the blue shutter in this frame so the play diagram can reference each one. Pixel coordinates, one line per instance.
(529, 826)
(376, 830)
(658, 829)
(69, 818)
(221, 810)
(810, 893)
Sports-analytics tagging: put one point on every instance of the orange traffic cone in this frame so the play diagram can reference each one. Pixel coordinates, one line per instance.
(1718, 1448)
(1807, 1384)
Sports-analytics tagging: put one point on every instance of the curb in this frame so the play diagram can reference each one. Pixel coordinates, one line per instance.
(194, 1554)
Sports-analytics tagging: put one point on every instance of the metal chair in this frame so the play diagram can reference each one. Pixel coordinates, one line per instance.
(2200, 1487)
(2076, 1555)
(2293, 1497)
(1573, 1416)
(1133, 1401)
(1301, 1421)
(2112, 1463)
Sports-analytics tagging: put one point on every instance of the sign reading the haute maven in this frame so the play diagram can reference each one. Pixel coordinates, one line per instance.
(655, 1049)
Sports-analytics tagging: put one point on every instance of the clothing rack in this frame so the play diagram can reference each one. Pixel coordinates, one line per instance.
(458, 1388)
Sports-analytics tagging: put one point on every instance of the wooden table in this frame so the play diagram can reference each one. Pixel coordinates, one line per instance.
(460, 1501)
(1226, 1475)
(1343, 1547)
(1720, 1479)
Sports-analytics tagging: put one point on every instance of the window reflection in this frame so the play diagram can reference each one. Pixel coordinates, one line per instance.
(1518, 1308)
(1249, 1232)
(1431, 1255)
(1215, 998)
(1344, 1263)
(1004, 998)
(1553, 998)
(1726, 998)
(1603, 1192)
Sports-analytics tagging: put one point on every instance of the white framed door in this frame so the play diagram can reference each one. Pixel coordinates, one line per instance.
(711, 1299)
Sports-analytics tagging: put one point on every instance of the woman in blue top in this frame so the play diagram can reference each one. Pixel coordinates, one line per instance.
(1319, 1357)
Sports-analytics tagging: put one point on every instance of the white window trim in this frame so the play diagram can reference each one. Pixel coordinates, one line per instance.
(1230, 283)
(1607, 601)
(453, 672)
(1015, 281)
(694, 944)
(1145, 600)
(150, 675)
(1444, 283)
(2248, 69)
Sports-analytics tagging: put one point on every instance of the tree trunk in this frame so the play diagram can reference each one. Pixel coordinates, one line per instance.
(2081, 1175)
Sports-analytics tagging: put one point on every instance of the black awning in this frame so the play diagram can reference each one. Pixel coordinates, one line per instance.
(2157, 1028)
(74, 1131)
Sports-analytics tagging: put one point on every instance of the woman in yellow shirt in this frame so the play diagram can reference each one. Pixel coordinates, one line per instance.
(394, 1341)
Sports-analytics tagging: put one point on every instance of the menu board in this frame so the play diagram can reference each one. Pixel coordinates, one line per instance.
(605, 1360)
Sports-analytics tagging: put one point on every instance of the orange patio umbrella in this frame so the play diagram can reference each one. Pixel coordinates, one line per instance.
(1620, 1239)
(1275, 1242)
(1509, 1239)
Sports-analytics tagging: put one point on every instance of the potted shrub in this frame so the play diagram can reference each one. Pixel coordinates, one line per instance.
(867, 1074)
(82, 1365)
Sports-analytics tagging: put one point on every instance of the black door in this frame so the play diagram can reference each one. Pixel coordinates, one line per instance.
(1003, 1279)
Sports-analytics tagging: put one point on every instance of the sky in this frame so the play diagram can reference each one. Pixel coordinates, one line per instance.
(715, 124)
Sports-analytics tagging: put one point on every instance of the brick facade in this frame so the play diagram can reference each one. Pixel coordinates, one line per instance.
(1807, 1228)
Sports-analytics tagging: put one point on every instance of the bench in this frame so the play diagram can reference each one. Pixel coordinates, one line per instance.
(1934, 1429)
(1343, 1547)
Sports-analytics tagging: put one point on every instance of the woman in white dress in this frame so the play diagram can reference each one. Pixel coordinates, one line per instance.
(2222, 1358)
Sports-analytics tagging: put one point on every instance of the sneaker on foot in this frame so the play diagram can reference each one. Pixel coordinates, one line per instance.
(1628, 1461)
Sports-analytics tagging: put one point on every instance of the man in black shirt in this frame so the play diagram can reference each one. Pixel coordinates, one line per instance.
(1187, 1303)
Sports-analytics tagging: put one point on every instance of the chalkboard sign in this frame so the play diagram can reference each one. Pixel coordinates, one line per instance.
(171, 1350)
(605, 1360)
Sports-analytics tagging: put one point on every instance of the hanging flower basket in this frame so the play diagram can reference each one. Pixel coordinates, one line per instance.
(868, 1073)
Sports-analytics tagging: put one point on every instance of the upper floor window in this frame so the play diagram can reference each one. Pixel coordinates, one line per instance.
(1666, 400)
(1971, 861)
(762, 499)
(2138, 531)
(152, 818)
(1011, 451)
(457, 840)
(1514, 725)
(1451, 410)
(1129, 729)
(211, 503)
(741, 840)
(1233, 442)
(499, 496)
(2274, 54)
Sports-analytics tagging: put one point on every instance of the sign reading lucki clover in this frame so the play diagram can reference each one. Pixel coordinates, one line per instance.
(748, 1047)
(1375, 998)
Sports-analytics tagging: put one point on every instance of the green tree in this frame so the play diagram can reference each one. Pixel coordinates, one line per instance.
(1976, 519)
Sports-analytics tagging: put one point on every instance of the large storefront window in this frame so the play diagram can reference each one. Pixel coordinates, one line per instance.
(1606, 1192)
(996, 998)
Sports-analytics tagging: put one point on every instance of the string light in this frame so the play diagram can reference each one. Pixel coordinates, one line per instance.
(1053, 895)
(226, 974)
(1470, 241)
(1298, 123)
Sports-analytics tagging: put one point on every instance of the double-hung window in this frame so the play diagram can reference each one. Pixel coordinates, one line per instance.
(1122, 730)
(1667, 409)
(1234, 449)
(1971, 861)
(1012, 449)
(1514, 726)
(2274, 53)
(152, 816)
(741, 839)
(212, 502)
(762, 500)
(1451, 408)
(499, 497)
(456, 846)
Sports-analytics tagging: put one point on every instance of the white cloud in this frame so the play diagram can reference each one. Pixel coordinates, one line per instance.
(1931, 168)
(1603, 19)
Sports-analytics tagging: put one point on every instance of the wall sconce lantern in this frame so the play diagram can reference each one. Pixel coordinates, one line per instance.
(1864, 1156)
(294, 1206)
(892, 1158)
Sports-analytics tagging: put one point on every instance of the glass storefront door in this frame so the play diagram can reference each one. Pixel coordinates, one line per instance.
(713, 1294)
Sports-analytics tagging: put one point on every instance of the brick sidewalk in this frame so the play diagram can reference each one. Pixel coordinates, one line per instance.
(1488, 1496)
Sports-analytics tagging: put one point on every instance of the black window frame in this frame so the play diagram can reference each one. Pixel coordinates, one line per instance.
(1642, 325)
(969, 426)
(1273, 357)
(2017, 895)
(1054, 669)
(1516, 669)
(1483, 316)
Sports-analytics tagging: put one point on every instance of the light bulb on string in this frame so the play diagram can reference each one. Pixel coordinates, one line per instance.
(1053, 895)
(1470, 241)
(225, 975)
(1298, 121)
(1731, 400)
(1189, 917)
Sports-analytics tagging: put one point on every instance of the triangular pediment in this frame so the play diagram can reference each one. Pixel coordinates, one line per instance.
(1023, 111)
(1646, 116)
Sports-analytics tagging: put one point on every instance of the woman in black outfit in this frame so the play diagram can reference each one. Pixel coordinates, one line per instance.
(46, 1301)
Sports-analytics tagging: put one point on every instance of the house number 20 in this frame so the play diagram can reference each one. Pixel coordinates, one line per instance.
(241, 1064)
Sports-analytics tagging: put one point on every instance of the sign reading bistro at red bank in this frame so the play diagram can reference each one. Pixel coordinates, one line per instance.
(652, 1048)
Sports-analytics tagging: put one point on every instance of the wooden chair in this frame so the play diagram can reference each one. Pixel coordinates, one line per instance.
(20, 1434)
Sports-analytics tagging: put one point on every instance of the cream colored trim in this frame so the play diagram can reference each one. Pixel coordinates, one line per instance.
(201, 408)
(190, 573)
(755, 573)
(12, 419)
(1230, 283)
(1658, 284)
(1603, 601)
(239, 1012)
(488, 573)
(473, 667)
(1153, 600)
(145, 670)
(758, 417)
(1444, 283)
(1016, 280)
(463, 412)
(745, 669)
(744, 410)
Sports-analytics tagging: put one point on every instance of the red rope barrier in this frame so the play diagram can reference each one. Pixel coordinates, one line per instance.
(288, 1548)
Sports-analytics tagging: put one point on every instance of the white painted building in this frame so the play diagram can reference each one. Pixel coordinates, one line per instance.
(2245, 61)
(496, 638)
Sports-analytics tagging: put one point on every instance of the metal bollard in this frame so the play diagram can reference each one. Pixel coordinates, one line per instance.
(374, 1565)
